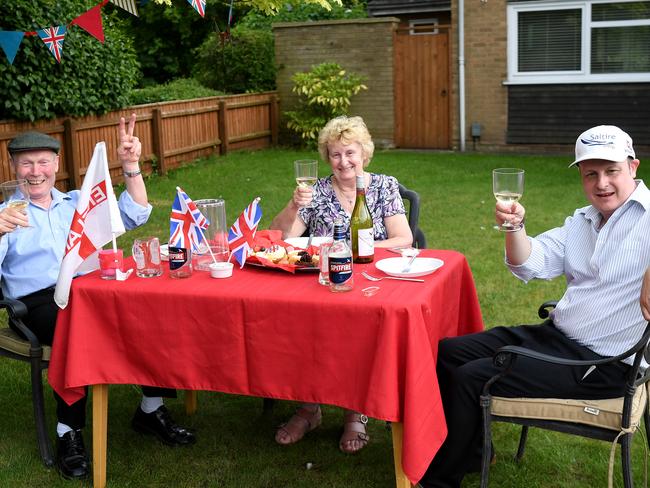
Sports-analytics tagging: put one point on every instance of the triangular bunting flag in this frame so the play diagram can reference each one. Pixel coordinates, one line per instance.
(91, 22)
(199, 6)
(9, 42)
(128, 5)
(53, 39)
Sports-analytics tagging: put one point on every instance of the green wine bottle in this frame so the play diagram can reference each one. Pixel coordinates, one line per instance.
(361, 228)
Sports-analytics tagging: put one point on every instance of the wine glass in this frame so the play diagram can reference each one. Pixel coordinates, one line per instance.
(306, 173)
(16, 195)
(508, 186)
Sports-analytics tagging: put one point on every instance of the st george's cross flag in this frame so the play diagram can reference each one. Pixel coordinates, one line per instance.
(242, 232)
(199, 6)
(95, 223)
(186, 223)
(53, 39)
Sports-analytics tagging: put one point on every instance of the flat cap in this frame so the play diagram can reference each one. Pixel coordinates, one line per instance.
(28, 141)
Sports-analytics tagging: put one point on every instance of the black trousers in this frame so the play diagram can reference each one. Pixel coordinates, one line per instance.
(41, 319)
(465, 364)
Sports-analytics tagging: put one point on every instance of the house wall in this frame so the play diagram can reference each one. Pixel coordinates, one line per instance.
(361, 46)
(486, 98)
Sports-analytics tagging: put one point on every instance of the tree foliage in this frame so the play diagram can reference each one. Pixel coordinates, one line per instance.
(297, 11)
(325, 93)
(166, 36)
(91, 78)
(244, 63)
(179, 89)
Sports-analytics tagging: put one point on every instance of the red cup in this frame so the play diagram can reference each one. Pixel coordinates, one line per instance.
(109, 262)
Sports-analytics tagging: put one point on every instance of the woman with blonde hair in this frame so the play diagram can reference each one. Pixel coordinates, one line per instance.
(346, 145)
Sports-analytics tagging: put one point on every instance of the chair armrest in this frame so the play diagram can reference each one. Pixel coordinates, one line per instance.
(16, 310)
(504, 356)
(544, 309)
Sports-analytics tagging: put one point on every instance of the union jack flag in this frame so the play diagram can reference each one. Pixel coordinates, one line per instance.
(242, 232)
(53, 39)
(199, 6)
(186, 222)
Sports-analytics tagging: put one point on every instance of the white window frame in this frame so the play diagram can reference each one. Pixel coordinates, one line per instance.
(561, 77)
(416, 22)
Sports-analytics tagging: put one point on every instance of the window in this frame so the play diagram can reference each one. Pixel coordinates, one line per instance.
(579, 41)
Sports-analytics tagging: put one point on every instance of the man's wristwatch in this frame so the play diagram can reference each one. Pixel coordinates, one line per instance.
(131, 174)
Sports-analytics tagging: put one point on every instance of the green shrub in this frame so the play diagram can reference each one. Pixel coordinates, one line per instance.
(245, 63)
(325, 93)
(181, 89)
(91, 78)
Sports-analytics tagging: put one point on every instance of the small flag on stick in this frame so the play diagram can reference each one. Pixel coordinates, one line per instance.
(242, 232)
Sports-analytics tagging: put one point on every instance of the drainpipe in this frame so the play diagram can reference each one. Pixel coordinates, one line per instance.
(461, 71)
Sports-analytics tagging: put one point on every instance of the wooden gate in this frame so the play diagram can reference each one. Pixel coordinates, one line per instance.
(422, 88)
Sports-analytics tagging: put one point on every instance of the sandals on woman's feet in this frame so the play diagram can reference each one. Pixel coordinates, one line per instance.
(301, 422)
(354, 437)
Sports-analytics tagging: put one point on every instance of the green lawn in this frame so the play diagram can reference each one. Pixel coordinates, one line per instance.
(236, 446)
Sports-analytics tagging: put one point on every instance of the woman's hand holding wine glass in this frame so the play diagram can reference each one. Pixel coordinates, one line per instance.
(306, 175)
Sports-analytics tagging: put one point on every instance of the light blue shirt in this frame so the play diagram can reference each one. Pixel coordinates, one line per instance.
(30, 258)
(604, 270)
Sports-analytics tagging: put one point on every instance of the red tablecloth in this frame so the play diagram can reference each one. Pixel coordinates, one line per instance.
(273, 334)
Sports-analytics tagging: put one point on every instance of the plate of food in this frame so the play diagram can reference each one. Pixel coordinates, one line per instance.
(288, 258)
(419, 266)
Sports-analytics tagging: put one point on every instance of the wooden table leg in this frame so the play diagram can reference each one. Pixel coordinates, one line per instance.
(401, 480)
(190, 402)
(100, 425)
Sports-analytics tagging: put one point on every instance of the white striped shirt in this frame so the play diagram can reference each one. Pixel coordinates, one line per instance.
(603, 269)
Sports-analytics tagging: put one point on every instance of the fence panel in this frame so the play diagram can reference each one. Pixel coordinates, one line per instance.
(171, 133)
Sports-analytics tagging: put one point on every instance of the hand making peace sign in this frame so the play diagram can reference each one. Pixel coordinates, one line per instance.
(130, 148)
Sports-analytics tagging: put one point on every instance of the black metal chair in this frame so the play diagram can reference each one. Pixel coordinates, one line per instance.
(612, 420)
(31, 351)
(413, 199)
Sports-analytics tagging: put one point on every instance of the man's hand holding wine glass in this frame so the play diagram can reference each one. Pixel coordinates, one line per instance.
(510, 214)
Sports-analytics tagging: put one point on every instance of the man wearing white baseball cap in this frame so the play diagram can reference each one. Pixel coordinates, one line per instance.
(603, 250)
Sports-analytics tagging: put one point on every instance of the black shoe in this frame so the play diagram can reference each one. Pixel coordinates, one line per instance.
(161, 424)
(71, 459)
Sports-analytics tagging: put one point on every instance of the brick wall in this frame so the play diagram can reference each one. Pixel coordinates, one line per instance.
(361, 46)
(486, 98)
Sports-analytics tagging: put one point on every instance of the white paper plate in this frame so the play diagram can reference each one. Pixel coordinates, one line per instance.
(301, 242)
(420, 267)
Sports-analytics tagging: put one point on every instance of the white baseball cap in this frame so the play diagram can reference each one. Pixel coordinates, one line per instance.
(604, 142)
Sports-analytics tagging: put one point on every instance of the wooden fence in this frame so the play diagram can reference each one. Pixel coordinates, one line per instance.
(171, 133)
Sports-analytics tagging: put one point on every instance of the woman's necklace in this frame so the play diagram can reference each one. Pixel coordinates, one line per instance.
(341, 193)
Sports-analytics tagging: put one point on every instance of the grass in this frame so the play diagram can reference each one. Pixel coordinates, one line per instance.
(236, 446)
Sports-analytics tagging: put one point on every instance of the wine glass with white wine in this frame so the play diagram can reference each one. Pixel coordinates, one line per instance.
(306, 173)
(15, 194)
(508, 186)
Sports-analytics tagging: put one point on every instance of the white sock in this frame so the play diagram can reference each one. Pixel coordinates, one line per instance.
(62, 429)
(150, 404)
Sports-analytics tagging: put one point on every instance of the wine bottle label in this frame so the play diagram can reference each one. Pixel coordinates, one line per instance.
(340, 268)
(366, 242)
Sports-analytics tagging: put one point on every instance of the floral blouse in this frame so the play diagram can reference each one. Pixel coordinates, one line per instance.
(382, 197)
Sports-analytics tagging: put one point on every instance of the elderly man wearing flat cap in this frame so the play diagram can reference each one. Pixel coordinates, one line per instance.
(603, 250)
(29, 265)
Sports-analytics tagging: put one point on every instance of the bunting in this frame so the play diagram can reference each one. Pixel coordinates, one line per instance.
(128, 5)
(10, 41)
(199, 6)
(53, 39)
(90, 21)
